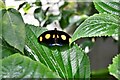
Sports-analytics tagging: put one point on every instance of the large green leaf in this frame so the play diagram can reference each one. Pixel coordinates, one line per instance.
(19, 66)
(114, 69)
(84, 68)
(0, 24)
(6, 50)
(98, 25)
(65, 61)
(36, 29)
(2, 11)
(13, 29)
(112, 6)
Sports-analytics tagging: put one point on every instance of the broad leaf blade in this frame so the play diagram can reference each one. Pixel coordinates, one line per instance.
(0, 23)
(36, 29)
(112, 6)
(114, 68)
(19, 66)
(2, 11)
(13, 29)
(97, 25)
(6, 50)
(65, 61)
(84, 68)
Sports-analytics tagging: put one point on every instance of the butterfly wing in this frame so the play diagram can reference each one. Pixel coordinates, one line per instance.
(64, 38)
(54, 37)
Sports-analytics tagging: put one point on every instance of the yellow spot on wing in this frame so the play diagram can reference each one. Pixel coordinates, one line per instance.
(63, 37)
(69, 40)
(57, 36)
(47, 36)
(40, 38)
(54, 36)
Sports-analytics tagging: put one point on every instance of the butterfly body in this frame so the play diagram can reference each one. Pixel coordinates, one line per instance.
(54, 38)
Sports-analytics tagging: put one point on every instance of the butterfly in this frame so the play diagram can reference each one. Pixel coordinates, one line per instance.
(54, 38)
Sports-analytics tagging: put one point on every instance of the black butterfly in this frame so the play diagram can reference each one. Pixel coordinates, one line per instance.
(54, 38)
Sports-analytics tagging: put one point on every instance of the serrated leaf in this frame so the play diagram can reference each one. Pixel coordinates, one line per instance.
(114, 68)
(97, 25)
(112, 6)
(13, 29)
(19, 66)
(65, 61)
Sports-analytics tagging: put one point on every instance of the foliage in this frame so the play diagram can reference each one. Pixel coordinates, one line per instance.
(112, 7)
(13, 28)
(60, 60)
(114, 68)
(24, 57)
(98, 25)
(19, 66)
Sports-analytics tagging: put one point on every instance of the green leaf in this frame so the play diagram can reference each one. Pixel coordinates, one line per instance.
(98, 25)
(114, 68)
(19, 66)
(27, 7)
(2, 11)
(39, 14)
(64, 21)
(0, 50)
(0, 23)
(6, 50)
(2, 5)
(51, 18)
(65, 61)
(13, 29)
(38, 3)
(0, 69)
(112, 6)
(36, 29)
(84, 68)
